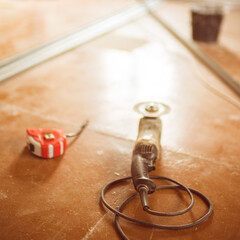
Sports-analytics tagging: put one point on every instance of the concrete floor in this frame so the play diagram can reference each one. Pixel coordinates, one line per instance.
(101, 81)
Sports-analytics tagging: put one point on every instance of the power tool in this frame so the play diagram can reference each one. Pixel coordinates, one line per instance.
(147, 148)
(145, 154)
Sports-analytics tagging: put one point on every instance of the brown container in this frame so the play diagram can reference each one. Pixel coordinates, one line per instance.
(206, 22)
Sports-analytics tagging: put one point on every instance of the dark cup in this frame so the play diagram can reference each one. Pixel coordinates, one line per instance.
(206, 22)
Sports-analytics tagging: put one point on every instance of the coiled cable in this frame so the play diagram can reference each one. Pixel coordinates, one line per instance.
(118, 212)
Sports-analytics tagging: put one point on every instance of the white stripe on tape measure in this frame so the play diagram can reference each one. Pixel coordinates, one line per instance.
(50, 150)
(61, 147)
(37, 146)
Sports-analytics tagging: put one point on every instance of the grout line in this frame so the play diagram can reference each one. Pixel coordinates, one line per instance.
(92, 229)
(204, 158)
(115, 136)
(95, 130)
(152, 234)
(14, 108)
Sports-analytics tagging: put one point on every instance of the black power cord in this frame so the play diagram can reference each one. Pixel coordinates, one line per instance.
(190, 191)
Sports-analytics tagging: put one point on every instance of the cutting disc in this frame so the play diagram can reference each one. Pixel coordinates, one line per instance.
(152, 109)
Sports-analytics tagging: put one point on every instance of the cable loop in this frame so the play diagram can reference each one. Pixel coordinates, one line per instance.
(118, 213)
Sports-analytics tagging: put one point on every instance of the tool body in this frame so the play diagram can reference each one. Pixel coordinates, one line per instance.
(146, 152)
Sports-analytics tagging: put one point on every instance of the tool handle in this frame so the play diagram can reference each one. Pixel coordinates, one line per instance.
(146, 152)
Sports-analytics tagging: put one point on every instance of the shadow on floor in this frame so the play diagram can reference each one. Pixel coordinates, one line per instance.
(28, 167)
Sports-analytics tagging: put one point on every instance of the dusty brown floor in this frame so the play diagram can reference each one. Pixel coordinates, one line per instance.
(101, 81)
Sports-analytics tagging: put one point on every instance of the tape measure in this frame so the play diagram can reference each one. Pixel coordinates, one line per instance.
(49, 143)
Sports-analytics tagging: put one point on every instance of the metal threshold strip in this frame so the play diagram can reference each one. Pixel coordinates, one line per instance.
(210, 63)
(33, 57)
(46, 51)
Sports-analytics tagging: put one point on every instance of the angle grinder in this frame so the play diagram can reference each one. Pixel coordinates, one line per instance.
(144, 157)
